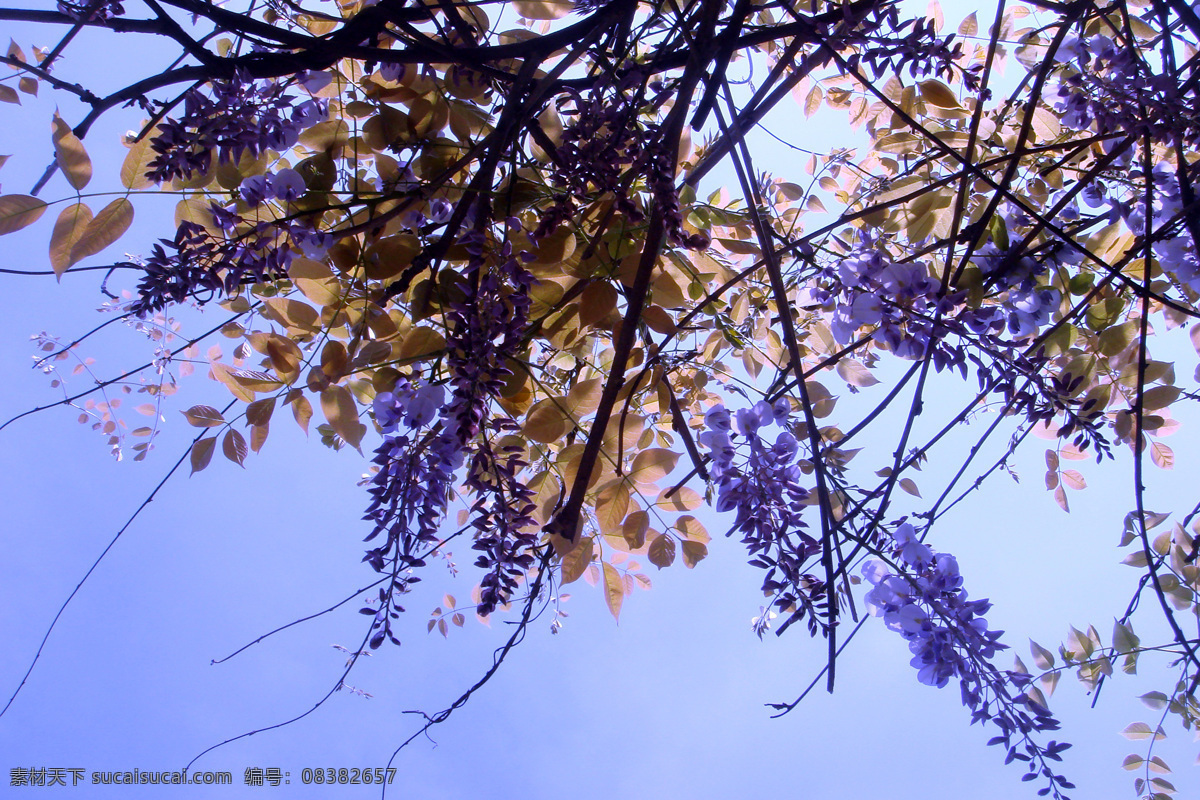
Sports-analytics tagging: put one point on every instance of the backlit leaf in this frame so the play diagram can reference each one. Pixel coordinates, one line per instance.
(68, 229)
(614, 589)
(652, 465)
(70, 154)
(575, 562)
(109, 225)
(202, 452)
(342, 414)
(233, 445)
(662, 550)
(19, 210)
(693, 553)
(204, 417)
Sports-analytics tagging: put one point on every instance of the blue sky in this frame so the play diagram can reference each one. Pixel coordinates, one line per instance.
(667, 703)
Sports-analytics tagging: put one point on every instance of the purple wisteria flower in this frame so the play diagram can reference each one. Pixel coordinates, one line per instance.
(236, 116)
(758, 478)
(921, 598)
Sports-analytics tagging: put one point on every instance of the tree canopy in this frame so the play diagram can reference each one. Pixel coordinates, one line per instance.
(566, 273)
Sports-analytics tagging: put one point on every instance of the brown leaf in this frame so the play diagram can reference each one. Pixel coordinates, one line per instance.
(259, 412)
(910, 486)
(302, 410)
(342, 414)
(202, 451)
(204, 417)
(634, 528)
(693, 553)
(234, 447)
(223, 373)
(662, 550)
(258, 436)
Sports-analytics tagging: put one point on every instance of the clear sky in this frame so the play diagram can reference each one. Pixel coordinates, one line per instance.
(669, 703)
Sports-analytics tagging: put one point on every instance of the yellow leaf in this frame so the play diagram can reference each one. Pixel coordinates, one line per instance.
(652, 465)
(421, 343)
(71, 157)
(681, 499)
(855, 373)
(108, 226)
(1073, 480)
(938, 94)
(297, 317)
(614, 589)
(546, 421)
(575, 563)
(222, 373)
(584, 397)
(19, 210)
(910, 486)
(342, 413)
(137, 162)
(612, 504)
(1159, 397)
(690, 528)
(68, 229)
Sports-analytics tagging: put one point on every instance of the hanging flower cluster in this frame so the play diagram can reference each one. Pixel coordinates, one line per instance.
(416, 472)
(250, 251)
(946, 632)
(410, 492)
(763, 488)
(607, 147)
(909, 310)
(949, 638)
(237, 116)
(1109, 86)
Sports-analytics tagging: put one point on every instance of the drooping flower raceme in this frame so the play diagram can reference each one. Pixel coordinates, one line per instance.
(946, 632)
(237, 116)
(758, 477)
(417, 466)
(923, 600)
